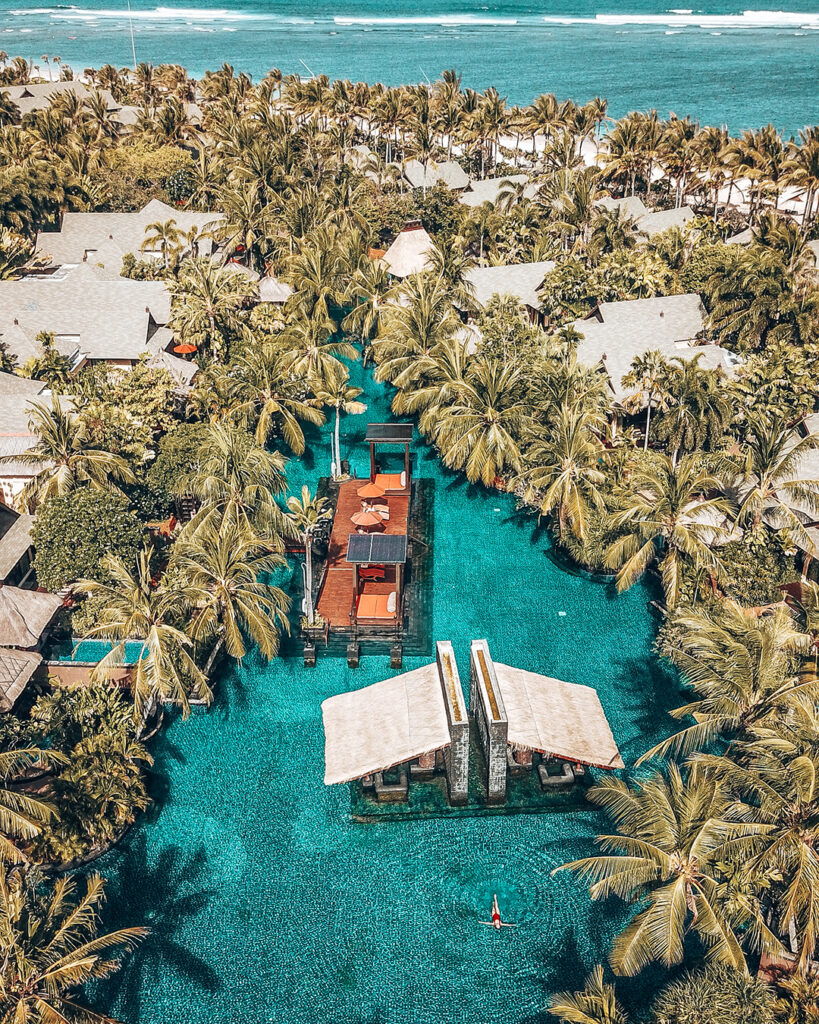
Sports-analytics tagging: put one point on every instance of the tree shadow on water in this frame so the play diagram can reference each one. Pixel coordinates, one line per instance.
(163, 898)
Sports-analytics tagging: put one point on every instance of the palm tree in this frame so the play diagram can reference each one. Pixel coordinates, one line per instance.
(699, 412)
(421, 318)
(134, 608)
(612, 230)
(744, 669)
(564, 477)
(207, 300)
(479, 433)
(773, 488)
(649, 375)
(313, 351)
(778, 782)
(51, 947)
(335, 391)
(221, 564)
(236, 474)
(664, 516)
(63, 457)
(672, 839)
(164, 235)
(594, 1004)
(264, 386)
(306, 513)
(21, 815)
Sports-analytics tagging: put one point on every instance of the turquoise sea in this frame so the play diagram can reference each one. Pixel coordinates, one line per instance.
(723, 62)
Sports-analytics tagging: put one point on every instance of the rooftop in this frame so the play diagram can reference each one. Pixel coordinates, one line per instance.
(389, 433)
(16, 668)
(25, 615)
(409, 251)
(377, 548)
(521, 280)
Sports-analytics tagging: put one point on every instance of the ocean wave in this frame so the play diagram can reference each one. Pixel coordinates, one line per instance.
(443, 19)
(75, 13)
(682, 19)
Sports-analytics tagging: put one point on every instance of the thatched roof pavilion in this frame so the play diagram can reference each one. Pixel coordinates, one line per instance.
(409, 251)
(25, 615)
(16, 668)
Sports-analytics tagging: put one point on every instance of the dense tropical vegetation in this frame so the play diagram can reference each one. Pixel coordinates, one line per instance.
(693, 480)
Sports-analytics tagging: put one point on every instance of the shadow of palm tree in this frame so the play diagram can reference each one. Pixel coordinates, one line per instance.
(162, 898)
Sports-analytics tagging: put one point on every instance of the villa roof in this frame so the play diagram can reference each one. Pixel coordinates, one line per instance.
(271, 289)
(382, 725)
(37, 96)
(183, 371)
(14, 542)
(616, 332)
(650, 222)
(555, 717)
(25, 615)
(485, 190)
(16, 397)
(16, 668)
(447, 171)
(408, 253)
(389, 433)
(104, 320)
(521, 280)
(104, 238)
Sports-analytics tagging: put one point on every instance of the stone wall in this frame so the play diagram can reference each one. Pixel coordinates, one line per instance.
(456, 755)
(487, 707)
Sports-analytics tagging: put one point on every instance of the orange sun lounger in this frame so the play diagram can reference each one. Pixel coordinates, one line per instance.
(374, 606)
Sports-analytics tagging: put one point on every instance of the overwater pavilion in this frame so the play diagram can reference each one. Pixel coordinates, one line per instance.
(413, 725)
(393, 434)
(520, 714)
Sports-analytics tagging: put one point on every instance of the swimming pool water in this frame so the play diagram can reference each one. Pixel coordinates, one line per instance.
(268, 905)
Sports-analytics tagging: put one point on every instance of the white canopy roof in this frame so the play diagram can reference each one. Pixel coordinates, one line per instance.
(385, 724)
(554, 717)
(408, 253)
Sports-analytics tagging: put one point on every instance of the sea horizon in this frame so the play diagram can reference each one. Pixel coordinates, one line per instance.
(720, 63)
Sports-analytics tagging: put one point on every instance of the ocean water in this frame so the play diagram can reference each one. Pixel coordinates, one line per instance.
(724, 63)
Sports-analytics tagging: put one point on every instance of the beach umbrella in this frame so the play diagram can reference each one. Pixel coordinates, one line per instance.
(184, 349)
(370, 491)
(366, 519)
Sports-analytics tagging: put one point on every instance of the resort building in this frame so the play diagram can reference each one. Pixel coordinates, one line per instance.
(38, 95)
(274, 291)
(414, 726)
(487, 190)
(92, 319)
(649, 222)
(26, 617)
(448, 172)
(615, 333)
(16, 547)
(16, 437)
(102, 239)
(409, 251)
(526, 721)
(522, 281)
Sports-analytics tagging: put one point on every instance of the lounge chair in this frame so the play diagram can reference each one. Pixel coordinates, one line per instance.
(377, 607)
(391, 481)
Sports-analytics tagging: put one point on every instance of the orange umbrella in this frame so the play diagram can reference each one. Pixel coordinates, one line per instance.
(365, 519)
(185, 348)
(370, 491)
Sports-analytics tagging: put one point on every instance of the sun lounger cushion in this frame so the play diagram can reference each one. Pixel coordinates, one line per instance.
(391, 481)
(375, 606)
(391, 601)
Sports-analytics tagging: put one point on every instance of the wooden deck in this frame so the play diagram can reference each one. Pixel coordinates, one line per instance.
(336, 597)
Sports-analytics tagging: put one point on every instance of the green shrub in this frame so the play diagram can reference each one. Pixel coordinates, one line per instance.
(73, 533)
(177, 456)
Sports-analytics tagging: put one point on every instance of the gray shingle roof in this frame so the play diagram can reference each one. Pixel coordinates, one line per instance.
(447, 171)
(522, 280)
(37, 96)
(14, 543)
(25, 615)
(619, 331)
(16, 668)
(104, 238)
(650, 222)
(485, 190)
(106, 320)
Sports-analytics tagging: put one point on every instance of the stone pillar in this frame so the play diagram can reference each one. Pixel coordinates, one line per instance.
(486, 704)
(456, 755)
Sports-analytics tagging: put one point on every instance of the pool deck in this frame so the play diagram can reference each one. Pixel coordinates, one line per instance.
(336, 596)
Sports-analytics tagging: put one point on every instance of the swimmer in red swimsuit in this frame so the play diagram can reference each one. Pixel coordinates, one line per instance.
(496, 922)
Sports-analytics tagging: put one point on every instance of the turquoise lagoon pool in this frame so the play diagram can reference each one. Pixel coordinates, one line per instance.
(268, 905)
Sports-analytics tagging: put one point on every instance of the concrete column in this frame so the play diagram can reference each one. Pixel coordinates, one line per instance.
(486, 704)
(456, 755)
